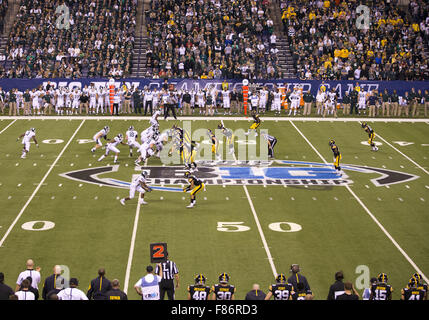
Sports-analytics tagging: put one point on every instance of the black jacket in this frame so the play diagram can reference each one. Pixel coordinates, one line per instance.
(98, 287)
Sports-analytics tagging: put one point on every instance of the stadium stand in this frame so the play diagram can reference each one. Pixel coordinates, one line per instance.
(326, 43)
(97, 43)
(211, 40)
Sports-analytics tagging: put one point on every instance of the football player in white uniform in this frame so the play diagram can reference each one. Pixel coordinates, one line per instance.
(59, 96)
(331, 103)
(147, 134)
(130, 138)
(294, 98)
(138, 184)
(263, 98)
(35, 100)
(76, 100)
(154, 119)
(201, 101)
(112, 146)
(97, 138)
(226, 101)
(68, 106)
(101, 98)
(277, 102)
(362, 97)
(92, 99)
(27, 137)
(145, 151)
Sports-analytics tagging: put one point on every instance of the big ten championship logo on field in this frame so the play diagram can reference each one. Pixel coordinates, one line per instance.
(212, 144)
(267, 173)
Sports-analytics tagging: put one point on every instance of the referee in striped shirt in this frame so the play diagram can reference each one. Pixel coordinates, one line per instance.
(272, 141)
(170, 274)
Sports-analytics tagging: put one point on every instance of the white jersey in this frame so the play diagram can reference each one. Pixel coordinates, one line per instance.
(200, 98)
(295, 97)
(263, 95)
(100, 134)
(92, 93)
(25, 295)
(76, 96)
(148, 95)
(35, 276)
(254, 99)
(71, 294)
(362, 96)
(332, 96)
(321, 96)
(225, 95)
(116, 141)
(277, 97)
(137, 181)
(131, 136)
(153, 120)
(146, 134)
(35, 96)
(28, 136)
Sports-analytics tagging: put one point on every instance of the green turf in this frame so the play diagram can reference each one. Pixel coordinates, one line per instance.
(93, 230)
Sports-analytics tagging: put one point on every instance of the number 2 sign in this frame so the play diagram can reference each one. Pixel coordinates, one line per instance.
(158, 252)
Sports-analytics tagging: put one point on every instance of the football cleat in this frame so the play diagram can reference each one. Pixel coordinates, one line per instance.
(122, 201)
(143, 202)
(191, 205)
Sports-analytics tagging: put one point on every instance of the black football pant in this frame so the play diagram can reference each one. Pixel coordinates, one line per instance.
(271, 148)
(147, 104)
(166, 286)
(167, 111)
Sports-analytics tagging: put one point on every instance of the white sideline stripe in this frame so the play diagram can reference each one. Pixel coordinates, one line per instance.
(367, 211)
(39, 185)
(258, 224)
(8, 126)
(219, 118)
(133, 240)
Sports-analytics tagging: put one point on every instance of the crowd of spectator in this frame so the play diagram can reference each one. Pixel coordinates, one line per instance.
(211, 40)
(57, 286)
(3, 9)
(330, 40)
(71, 39)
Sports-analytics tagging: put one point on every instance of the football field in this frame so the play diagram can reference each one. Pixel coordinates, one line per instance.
(253, 220)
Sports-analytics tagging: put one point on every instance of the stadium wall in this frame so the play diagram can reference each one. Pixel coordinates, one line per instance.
(183, 84)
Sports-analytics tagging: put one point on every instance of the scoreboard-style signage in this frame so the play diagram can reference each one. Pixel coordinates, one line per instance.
(158, 252)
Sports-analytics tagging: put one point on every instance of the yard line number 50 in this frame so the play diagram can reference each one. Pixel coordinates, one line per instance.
(240, 227)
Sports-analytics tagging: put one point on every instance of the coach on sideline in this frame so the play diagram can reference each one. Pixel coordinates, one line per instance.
(169, 272)
(99, 286)
(52, 281)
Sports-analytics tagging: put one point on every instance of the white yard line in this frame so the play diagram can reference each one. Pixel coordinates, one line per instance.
(39, 185)
(416, 268)
(258, 224)
(403, 154)
(131, 253)
(8, 126)
(219, 118)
